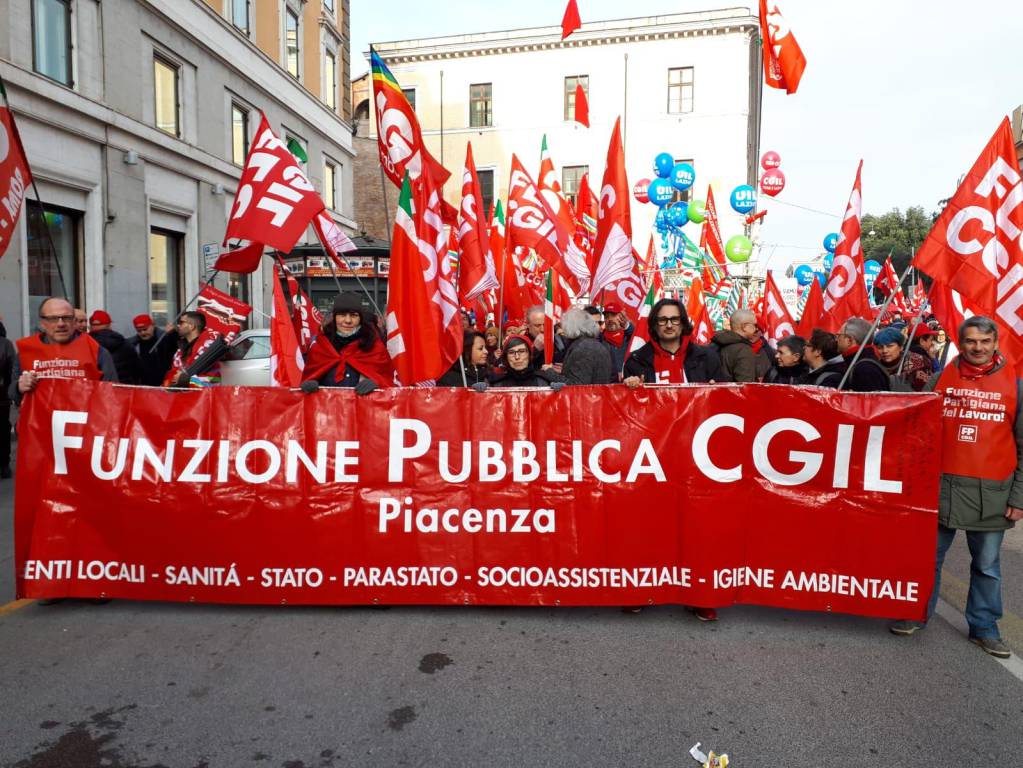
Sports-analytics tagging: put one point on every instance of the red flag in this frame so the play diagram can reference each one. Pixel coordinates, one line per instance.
(784, 61)
(286, 360)
(550, 191)
(582, 106)
(477, 272)
(15, 177)
(424, 330)
(586, 222)
(888, 280)
(224, 313)
(305, 316)
(696, 308)
(974, 246)
(710, 234)
(512, 307)
(275, 201)
(846, 294)
(570, 22)
(399, 137)
(775, 319)
(533, 224)
(813, 308)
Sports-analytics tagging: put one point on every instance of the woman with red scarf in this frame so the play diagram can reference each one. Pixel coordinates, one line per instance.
(349, 351)
(671, 357)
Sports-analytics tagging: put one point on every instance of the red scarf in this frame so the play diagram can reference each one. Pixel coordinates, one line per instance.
(974, 372)
(758, 345)
(617, 338)
(668, 366)
(374, 363)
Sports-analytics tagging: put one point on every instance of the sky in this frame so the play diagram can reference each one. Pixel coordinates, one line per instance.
(914, 88)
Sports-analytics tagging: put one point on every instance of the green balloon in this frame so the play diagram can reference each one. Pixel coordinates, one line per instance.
(697, 211)
(739, 248)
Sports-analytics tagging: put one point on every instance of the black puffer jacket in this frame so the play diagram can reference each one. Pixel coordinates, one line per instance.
(474, 374)
(701, 366)
(126, 359)
(530, 377)
(792, 374)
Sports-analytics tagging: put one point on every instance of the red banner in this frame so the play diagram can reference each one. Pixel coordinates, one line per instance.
(15, 177)
(714, 495)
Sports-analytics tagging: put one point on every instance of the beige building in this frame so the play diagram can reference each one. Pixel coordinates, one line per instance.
(686, 83)
(1017, 131)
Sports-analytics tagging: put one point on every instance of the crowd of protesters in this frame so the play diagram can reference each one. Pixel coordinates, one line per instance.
(600, 346)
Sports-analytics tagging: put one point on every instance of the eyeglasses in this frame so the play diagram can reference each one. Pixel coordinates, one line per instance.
(57, 318)
(516, 352)
(669, 321)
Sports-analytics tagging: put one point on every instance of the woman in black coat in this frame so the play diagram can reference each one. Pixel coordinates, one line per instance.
(789, 366)
(474, 358)
(519, 370)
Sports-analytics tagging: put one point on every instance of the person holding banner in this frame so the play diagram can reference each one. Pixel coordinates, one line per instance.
(982, 474)
(587, 359)
(519, 370)
(671, 356)
(349, 352)
(473, 361)
(618, 332)
(59, 351)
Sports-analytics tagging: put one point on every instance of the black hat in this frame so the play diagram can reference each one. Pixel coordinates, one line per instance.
(348, 302)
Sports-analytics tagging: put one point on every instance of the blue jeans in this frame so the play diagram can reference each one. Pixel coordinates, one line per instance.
(984, 602)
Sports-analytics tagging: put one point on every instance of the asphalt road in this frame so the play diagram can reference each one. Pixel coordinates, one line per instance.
(151, 684)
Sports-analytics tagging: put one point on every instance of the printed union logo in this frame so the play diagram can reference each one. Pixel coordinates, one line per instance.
(967, 433)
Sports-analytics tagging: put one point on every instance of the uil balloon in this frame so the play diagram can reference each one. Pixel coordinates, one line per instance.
(822, 279)
(744, 199)
(770, 160)
(661, 219)
(682, 176)
(739, 248)
(677, 214)
(829, 260)
(663, 164)
(697, 211)
(772, 182)
(804, 274)
(639, 191)
(871, 269)
(831, 242)
(660, 192)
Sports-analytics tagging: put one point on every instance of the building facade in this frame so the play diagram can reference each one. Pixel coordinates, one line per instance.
(688, 84)
(1017, 132)
(136, 116)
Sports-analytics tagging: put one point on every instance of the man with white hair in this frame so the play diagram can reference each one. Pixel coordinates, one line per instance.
(868, 374)
(745, 356)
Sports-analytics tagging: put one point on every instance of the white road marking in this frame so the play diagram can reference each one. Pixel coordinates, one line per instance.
(954, 617)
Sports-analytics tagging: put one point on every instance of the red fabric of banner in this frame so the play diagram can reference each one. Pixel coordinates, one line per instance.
(397, 497)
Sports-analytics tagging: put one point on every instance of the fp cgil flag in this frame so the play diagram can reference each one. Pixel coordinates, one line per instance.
(784, 61)
(14, 176)
(975, 245)
(775, 320)
(275, 202)
(846, 294)
(399, 138)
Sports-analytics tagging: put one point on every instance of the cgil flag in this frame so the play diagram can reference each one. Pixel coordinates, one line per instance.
(784, 61)
(775, 319)
(477, 272)
(846, 294)
(15, 175)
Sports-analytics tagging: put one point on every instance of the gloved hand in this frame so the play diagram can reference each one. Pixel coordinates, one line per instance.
(557, 385)
(310, 386)
(365, 386)
(479, 386)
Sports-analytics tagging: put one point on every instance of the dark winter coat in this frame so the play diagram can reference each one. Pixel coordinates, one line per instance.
(588, 361)
(738, 360)
(155, 355)
(8, 353)
(619, 354)
(828, 375)
(126, 359)
(530, 377)
(868, 375)
(474, 374)
(792, 374)
(702, 364)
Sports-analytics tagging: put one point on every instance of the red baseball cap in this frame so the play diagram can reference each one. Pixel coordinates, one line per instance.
(613, 308)
(99, 317)
(922, 331)
(142, 321)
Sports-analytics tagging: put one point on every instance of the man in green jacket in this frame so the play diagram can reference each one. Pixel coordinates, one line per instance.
(745, 356)
(982, 474)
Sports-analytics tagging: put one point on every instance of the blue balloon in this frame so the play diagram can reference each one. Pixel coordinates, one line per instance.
(660, 192)
(804, 274)
(744, 199)
(682, 176)
(830, 243)
(663, 164)
(678, 214)
(822, 279)
(829, 260)
(871, 268)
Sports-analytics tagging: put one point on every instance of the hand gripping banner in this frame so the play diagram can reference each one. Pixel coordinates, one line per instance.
(699, 495)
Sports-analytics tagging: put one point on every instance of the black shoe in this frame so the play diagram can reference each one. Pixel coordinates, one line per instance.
(100, 600)
(50, 600)
(5, 473)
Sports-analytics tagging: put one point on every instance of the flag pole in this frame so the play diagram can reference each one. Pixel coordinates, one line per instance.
(35, 190)
(873, 327)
